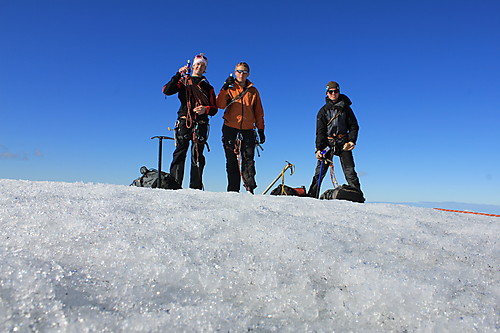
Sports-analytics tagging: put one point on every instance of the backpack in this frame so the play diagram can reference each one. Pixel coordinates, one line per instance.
(344, 192)
(287, 190)
(149, 178)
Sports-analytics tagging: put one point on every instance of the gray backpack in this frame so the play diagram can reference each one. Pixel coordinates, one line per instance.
(149, 178)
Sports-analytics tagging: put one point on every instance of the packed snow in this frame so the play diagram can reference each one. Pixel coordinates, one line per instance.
(81, 257)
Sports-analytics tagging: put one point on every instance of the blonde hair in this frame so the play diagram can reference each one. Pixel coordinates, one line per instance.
(244, 64)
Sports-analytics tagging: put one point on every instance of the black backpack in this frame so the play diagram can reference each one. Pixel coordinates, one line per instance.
(344, 192)
(149, 178)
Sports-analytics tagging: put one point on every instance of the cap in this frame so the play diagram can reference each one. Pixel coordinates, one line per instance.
(200, 58)
(332, 85)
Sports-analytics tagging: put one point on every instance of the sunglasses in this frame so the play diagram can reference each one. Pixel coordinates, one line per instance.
(244, 71)
(333, 91)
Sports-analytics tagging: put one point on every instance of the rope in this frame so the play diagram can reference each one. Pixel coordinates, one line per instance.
(188, 83)
(194, 94)
(332, 175)
(239, 157)
(466, 212)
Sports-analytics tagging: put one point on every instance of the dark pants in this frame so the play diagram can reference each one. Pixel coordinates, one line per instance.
(195, 135)
(229, 136)
(347, 162)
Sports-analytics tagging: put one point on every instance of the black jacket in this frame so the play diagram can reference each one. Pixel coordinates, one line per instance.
(336, 118)
(177, 86)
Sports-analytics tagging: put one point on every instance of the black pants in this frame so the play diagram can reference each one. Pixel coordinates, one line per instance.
(229, 136)
(347, 162)
(197, 136)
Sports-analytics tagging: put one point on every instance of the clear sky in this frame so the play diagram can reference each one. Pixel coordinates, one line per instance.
(80, 88)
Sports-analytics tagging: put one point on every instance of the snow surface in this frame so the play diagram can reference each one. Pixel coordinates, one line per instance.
(81, 257)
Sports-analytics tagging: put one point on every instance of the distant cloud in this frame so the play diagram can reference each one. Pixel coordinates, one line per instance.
(6, 154)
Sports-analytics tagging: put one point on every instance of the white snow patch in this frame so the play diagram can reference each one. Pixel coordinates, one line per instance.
(93, 257)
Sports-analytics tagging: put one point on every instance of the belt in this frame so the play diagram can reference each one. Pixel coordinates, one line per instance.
(337, 136)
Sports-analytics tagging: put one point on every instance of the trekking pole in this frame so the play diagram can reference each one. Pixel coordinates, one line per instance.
(319, 177)
(323, 160)
(281, 174)
(160, 137)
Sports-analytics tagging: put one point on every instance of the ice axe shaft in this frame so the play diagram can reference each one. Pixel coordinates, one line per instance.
(160, 137)
(281, 174)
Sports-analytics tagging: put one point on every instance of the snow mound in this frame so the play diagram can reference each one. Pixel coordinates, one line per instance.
(81, 257)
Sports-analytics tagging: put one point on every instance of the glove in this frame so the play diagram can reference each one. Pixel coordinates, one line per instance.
(320, 154)
(229, 82)
(349, 146)
(262, 136)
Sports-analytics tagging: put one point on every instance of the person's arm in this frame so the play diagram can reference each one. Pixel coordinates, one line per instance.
(258, 111)
(212, 109)
(173, 86)
(352, 124)
(321, 131)
(223, 99)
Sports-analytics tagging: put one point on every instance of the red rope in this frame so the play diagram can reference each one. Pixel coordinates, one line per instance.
(461, 211)
(194, 95)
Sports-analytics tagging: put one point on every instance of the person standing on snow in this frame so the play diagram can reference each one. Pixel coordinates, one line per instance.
(336, 134)
(243, 114)
(197, 99)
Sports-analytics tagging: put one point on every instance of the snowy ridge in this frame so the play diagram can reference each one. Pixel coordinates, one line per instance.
(94, 257)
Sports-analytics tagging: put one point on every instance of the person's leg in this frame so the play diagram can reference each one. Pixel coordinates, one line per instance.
(321, 170)
(248, 160)
(197, 166)
(347, 162)
(232, 168)
(182, 138)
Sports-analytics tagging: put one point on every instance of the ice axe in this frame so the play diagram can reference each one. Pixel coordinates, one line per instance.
(281, 175)
(160, 137)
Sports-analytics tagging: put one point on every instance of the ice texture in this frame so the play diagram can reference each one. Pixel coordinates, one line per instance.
(77, 257)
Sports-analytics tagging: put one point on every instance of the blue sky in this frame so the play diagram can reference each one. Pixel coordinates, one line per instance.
(80, 88)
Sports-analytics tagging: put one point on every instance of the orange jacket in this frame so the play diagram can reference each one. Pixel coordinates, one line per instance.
(246, 112)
